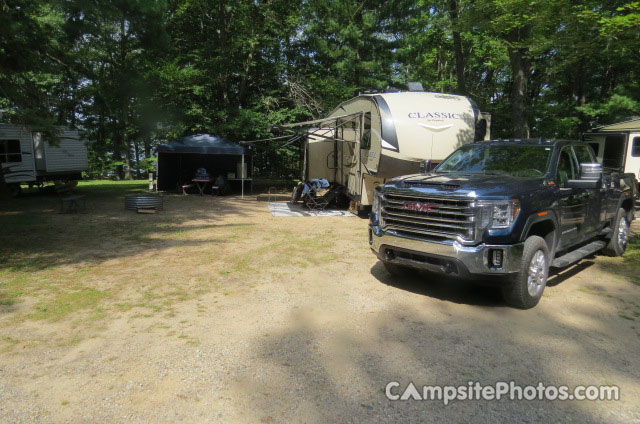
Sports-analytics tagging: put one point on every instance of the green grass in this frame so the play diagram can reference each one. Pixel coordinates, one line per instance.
(112, 188)
(66, 303)
(13, 289)
(632, 260)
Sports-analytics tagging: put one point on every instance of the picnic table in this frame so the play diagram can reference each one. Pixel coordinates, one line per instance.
(66, 195)
(201, 183)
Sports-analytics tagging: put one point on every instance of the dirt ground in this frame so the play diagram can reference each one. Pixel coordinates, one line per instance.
(214, 311)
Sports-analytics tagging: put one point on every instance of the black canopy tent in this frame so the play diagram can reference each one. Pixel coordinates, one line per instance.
(179, 160)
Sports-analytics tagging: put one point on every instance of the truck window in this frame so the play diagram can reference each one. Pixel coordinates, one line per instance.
(595, 147)
(514, 160)
(566, 166)
(10, 151)
(635, 147)
(365, 143)
(583, 154)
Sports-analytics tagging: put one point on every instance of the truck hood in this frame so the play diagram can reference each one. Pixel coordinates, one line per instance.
(467, 185)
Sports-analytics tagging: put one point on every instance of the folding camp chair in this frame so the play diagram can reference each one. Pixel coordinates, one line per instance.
(320, 199)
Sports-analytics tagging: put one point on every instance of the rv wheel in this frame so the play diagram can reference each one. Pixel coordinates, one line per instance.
(14, 190)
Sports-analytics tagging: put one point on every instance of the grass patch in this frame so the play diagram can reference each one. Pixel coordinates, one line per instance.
(13, 289)
(629, 267)
(66, 303)
(112, 188)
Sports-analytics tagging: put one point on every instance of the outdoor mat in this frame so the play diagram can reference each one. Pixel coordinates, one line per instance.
(287, 209)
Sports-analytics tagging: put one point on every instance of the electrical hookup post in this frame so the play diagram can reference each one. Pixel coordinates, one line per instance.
(152, 182)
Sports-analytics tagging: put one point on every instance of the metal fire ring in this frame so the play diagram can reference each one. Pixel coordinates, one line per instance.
(134, 201)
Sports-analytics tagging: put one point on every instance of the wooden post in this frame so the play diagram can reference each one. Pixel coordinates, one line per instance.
(242, 176)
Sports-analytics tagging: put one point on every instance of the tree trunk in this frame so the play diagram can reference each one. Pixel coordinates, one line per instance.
(147, 153)
(223, 40)
(520, 66)
(457, 46)
(245, 76)
(124, 103)
(127, 164)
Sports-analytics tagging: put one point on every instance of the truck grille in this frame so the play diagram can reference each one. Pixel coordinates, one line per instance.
(431, 217)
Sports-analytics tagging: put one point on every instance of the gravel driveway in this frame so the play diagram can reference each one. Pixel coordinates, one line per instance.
(308, 327)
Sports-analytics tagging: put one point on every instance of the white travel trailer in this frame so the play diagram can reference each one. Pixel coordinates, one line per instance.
(375, 137)
(617, 146)
(27, 158)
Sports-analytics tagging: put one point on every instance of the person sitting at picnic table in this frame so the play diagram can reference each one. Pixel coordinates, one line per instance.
(202, 173)
(201, 178)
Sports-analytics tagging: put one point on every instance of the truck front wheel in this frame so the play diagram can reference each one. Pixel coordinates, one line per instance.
(526, 288)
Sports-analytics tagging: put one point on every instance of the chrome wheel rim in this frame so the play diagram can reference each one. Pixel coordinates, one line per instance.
(623, 232)
(537, 275)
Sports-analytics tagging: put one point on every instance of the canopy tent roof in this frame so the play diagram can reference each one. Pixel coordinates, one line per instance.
(203, 143)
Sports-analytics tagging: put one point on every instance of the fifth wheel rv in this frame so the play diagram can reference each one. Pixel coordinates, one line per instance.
(374, 137)
(617, 146)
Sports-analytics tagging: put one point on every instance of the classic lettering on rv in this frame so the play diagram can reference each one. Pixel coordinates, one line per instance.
(424, 115)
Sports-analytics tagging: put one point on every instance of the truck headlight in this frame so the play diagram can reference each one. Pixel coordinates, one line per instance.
(499, 213)
(376, 207)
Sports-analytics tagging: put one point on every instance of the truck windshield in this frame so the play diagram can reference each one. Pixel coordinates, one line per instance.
(516, 160)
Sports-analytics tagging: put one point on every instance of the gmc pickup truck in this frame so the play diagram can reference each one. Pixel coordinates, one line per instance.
(504, 212)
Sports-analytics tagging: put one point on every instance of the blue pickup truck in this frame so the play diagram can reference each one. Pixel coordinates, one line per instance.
(504, 212)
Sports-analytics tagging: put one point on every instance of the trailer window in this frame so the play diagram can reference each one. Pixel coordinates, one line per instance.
(10, 151)
(635, 147)
(365, 143)
(614, 147)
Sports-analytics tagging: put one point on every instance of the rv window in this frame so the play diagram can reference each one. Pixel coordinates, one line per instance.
(10, 151)
(365, 143)
(635, 149)
(614, 146)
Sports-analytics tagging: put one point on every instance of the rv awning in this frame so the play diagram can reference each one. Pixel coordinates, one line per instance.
(316, 122)
(203, 143)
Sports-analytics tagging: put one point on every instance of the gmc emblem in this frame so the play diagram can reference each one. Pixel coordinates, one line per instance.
(419, 207)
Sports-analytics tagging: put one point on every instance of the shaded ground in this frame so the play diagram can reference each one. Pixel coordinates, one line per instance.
(215, 311)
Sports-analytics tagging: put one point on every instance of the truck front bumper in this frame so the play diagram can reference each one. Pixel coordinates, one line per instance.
(447, 257)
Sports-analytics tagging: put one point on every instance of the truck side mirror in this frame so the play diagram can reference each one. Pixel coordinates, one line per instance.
(590, 176)
(426, 166)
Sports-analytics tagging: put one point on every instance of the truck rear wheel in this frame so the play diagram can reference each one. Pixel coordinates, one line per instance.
(526, 289)
(396, 270)
(618, 243)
